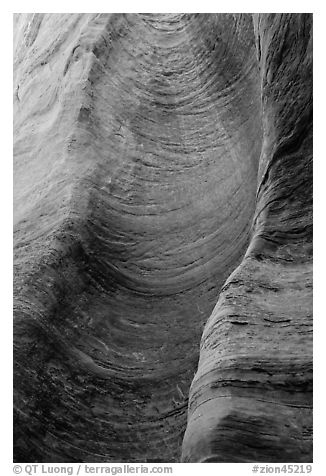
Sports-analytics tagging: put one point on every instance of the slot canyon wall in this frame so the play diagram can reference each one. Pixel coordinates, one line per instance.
(162, 237)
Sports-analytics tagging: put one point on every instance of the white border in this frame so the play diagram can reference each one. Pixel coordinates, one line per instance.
(319, 197)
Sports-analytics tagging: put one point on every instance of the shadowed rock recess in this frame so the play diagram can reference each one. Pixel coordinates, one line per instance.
(162, 237)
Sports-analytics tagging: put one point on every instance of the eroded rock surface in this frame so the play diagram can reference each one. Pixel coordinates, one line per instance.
(251, 398)
(141, 142)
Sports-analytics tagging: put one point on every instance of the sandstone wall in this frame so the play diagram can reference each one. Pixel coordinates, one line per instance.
(138, 140)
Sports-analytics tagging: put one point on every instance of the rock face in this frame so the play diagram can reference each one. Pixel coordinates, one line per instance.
(251, 397)
(162, 165)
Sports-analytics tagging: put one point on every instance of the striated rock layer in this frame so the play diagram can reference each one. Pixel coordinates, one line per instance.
(140, 141)
(251, 398)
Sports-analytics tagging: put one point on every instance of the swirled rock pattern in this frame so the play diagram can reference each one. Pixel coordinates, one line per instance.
(156, 154)
(251, 398)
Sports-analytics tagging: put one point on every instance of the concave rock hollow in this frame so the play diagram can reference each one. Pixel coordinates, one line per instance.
(156, 154)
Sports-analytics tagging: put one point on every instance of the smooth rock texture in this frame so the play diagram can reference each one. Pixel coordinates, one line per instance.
(251, 398)
(162, 164)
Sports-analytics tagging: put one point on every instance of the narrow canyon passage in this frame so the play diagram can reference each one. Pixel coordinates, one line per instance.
(137, 147)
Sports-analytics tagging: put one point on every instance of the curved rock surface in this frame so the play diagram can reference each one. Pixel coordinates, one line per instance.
(156, 154)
